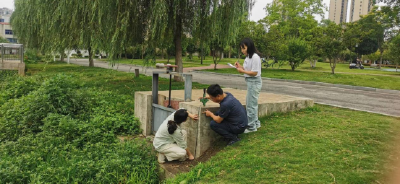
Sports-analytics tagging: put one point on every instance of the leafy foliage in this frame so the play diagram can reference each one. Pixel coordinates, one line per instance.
(64, 132)
(298, 51)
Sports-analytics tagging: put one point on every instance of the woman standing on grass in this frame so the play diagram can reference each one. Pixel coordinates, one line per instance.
(170, 140)
(252, 72)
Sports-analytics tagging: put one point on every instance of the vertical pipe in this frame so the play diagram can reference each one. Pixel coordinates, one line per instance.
(155, 88)
(169, 101)
(188, 87)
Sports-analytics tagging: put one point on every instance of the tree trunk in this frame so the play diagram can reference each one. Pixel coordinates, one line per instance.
(292, 66)
(168, 57)
(230, 49)
(91, 63)
(201, 54)
(333, 65)
(178, 46)
(162, 53)
(62, 56)
(397, 65)
(68, 56)
(143, 51)
(380, 62)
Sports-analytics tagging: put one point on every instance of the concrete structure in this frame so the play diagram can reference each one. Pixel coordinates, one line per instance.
(338, 11)
(200, 135)
(360, 7)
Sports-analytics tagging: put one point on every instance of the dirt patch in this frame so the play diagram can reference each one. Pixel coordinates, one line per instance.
(175, 167)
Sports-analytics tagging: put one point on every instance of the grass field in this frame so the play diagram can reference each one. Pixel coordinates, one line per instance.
(318, 145)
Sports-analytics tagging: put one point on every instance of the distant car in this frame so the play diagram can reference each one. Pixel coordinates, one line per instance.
(355, 66)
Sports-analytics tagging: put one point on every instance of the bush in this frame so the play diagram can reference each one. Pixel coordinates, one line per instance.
(58, 131)
(320, 60)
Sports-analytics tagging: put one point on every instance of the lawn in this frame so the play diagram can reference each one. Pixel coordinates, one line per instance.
(375, 81)
(105, 79)
(318, 145)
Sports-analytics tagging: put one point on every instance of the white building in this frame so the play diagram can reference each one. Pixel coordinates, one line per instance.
(5, 27)
(338, 11)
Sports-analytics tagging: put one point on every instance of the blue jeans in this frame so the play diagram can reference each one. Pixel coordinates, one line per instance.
(254, 85)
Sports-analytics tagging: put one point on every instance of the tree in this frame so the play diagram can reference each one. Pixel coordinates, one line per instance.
(394, 51)
(191, 47)
(186, 16)
(298, 51)
(295, 18)
(381, 23)
(3, 40)
(106, 25)
(333, 43)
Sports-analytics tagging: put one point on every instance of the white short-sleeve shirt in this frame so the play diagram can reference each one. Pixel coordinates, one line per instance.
(252, 64)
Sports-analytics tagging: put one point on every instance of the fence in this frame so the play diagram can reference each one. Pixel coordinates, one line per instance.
(12, 53)
(12, 57)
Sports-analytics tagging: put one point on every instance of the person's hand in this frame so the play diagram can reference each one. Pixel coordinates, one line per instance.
(194, 116)
(237, 65)
(204, 97)
(240, 70)
(207, 113)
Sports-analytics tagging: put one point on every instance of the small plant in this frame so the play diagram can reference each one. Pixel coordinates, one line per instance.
(204, 100)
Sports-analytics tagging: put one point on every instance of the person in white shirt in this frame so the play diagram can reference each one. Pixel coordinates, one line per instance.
(252, 72)
(170, 141)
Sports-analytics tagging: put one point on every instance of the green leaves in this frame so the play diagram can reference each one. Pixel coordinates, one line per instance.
(298, 51)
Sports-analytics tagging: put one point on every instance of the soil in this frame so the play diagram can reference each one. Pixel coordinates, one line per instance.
(175, 167)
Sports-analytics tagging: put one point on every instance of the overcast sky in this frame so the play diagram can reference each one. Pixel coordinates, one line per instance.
(257, 13)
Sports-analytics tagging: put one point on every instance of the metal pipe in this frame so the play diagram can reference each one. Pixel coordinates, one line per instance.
(169, 101)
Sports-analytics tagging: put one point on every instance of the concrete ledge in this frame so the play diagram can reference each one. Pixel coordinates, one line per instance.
(316, 83)
(14, 66)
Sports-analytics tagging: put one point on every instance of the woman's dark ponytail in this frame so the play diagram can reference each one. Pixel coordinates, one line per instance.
(179, 117)
(172, 126)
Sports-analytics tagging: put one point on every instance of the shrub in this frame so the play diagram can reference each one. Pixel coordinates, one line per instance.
(58, 131)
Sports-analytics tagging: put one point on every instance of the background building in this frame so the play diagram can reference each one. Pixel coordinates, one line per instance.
(5, 27)
(338, 11)
(360, 7)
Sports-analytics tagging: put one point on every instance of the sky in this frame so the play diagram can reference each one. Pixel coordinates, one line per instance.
(257, 13)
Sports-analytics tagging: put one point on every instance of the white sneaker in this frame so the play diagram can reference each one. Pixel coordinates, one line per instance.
(161, 158)
(258, 126)
(249, 131)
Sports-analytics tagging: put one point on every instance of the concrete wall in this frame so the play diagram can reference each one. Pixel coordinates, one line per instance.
(14, 66)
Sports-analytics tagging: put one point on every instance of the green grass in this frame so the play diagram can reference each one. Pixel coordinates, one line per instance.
(340, 67)
(106, 79)
(318, 145)
(375, 81)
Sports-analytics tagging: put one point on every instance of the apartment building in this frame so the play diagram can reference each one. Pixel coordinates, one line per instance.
(338, 11)
(360, 7)
(5, 27)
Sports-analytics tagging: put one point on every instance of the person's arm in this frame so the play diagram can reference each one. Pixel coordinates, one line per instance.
(217, 119)
(178, 138)
(251, 73)
(193, 116)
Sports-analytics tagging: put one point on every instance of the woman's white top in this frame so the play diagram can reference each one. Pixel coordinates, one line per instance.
(164, 138)
(252, 64)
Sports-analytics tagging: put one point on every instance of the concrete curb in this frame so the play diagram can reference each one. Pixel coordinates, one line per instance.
(315, 83)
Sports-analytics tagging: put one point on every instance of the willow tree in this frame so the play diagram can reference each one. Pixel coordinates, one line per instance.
(191, 16)
(107, 25)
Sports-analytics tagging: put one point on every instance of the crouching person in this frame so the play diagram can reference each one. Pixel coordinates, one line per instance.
(231, 119)
(170, 140)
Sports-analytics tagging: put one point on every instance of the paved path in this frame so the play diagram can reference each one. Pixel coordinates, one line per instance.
(383, 101)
